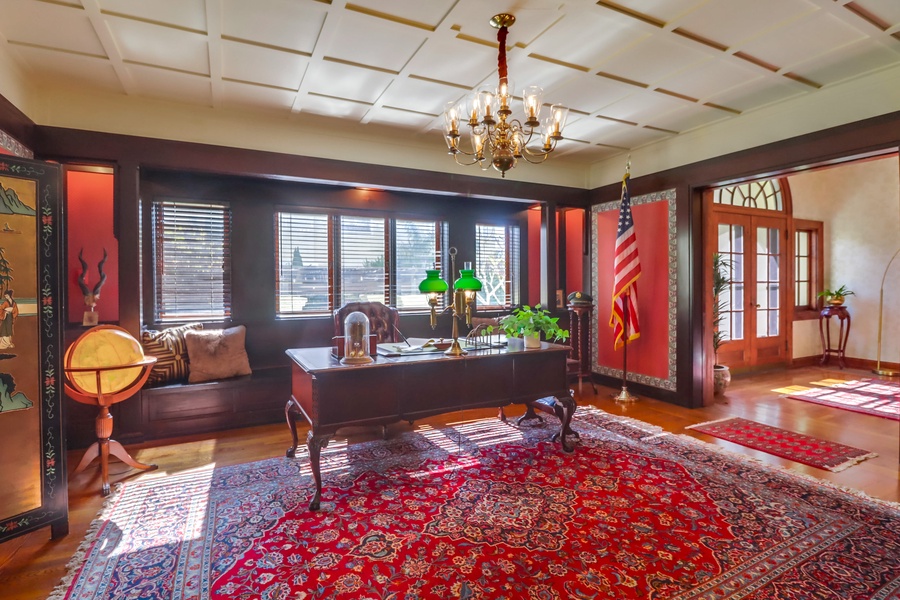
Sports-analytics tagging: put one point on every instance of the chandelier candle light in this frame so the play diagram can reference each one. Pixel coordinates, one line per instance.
(497, 140)
(464, 290)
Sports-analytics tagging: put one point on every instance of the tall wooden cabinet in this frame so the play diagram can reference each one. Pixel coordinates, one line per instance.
(34, 493)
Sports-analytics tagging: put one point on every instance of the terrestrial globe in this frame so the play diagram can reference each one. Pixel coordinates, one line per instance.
(109, 356)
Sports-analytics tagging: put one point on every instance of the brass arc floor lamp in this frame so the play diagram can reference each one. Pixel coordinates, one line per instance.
(878, 370)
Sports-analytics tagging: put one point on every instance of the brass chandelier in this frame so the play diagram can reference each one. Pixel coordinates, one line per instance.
(498, 140)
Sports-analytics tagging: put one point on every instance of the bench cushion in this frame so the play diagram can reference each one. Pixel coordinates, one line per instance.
(217, 353)
(169, 348)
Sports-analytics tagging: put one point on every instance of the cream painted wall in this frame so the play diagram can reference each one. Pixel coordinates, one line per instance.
(860, 206)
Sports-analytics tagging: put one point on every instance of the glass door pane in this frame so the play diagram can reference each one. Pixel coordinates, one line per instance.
(768, 274)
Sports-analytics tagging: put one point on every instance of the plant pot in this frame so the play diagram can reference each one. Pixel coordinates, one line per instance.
(514, 343)
(836, 300)
(532, 341)
(721, 379)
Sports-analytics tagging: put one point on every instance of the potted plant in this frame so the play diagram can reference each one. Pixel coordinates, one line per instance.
(528, 323)
(721, 373)
(836, 297)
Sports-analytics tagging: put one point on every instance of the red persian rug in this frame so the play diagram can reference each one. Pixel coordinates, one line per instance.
(869, 396)
(801, 448)
(488, 510)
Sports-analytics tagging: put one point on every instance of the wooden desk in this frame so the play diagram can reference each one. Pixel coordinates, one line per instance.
(330, 395)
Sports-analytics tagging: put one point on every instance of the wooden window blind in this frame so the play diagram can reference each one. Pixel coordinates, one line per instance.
(192, 250)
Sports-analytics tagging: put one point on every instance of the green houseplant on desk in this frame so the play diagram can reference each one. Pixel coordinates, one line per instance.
(529, 323)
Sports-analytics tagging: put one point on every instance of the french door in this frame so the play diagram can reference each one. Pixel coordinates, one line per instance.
(754, 249)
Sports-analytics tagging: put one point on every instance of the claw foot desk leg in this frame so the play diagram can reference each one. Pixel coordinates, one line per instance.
(315, 443)
(529, 415)
(291, 415)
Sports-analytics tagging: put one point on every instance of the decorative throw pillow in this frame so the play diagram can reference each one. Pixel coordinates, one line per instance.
(217, 353)
(170, 351)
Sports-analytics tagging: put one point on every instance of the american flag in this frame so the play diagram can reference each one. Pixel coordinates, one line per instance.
(627, 271)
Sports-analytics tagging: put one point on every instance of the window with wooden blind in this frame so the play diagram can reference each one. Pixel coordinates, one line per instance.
(417, 247)
(326, 260)
(362, 257)
(192, 250)
(497, 265)
(303, 263)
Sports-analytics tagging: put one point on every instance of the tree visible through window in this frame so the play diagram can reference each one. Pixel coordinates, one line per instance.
(497, 265)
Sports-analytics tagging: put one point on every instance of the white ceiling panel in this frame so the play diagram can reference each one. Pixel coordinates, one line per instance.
(72, 69)
(599, 35)
(331, 107)
(751, 95)
(374, 42)
(160, 46)
(401, 118)
(347, 82)
(416, 95)
(38, 24)
(396, 64)
(454, 62)
(663, 10)
(643, 107)
(886, 10)
(589, 93)
(655, 58)
(690, 117)
(429, 13)
(190, 14)
(849, 62)
(171, 85)
(731, 22)
(803, 40)
(244, 62)
(246, 96)
(280, 23)
(712, 77)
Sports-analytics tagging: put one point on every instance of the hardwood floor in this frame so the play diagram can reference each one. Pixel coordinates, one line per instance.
(32, 565)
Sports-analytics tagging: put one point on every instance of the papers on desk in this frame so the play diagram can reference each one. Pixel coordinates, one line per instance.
(415, 347)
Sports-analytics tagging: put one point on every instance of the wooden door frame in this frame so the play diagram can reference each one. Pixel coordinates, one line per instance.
(710, 246)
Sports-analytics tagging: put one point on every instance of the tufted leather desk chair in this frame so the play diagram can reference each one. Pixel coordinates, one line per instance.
(383, 320)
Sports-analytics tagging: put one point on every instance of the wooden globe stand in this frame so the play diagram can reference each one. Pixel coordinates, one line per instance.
(104, 446)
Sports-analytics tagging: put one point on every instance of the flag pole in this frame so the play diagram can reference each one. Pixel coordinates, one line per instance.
(624, 396)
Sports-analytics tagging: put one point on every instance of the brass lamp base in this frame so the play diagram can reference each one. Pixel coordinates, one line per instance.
(455, 349)
(624, 396)
(886, 372)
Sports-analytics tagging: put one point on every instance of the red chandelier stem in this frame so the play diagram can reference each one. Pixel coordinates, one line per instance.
(501, 59)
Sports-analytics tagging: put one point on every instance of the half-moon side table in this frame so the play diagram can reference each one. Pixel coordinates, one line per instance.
(840, 346)
(103, 424)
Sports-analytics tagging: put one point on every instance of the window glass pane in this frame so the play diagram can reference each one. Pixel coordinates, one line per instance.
(497, 265)
(302, 263)
(192, 252)
(416, 249)
(362, 260)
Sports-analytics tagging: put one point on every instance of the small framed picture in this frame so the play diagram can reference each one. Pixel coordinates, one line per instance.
(91, 318)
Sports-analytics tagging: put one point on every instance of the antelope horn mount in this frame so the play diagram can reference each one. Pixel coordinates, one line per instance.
(91, 296)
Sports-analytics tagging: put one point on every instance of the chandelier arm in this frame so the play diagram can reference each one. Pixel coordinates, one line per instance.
(466, 164)
(536, 161)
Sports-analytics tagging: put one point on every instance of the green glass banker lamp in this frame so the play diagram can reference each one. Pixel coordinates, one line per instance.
(464, 290)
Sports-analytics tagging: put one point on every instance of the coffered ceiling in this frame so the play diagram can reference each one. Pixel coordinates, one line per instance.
(633, 72)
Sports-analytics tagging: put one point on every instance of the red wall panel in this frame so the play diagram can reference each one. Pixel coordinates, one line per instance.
(647, 355)
(574, 250)
(89, 205)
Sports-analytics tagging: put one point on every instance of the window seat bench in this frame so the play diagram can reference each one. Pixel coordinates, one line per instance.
(189, 408)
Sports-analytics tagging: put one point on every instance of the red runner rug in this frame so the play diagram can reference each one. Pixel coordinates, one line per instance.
(801, 448)
(486, 510)
(869, 396)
